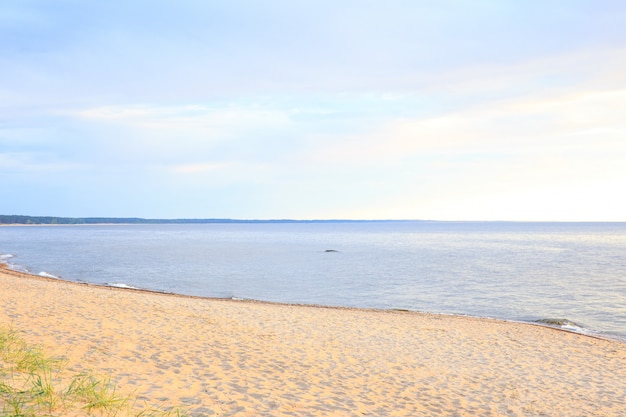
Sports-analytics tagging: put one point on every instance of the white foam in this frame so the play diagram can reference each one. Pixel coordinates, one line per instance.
(573, 328)
(47, 275)
(19, 268)
(120, 285)
(4, 258)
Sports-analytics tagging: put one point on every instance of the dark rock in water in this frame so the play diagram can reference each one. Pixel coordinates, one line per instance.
(557, 322)
(331, 250)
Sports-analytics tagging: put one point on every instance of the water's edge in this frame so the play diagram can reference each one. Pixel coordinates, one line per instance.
(568, 276)
(556, 324)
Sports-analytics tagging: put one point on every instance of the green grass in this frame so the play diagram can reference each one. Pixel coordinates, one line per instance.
(33, 384)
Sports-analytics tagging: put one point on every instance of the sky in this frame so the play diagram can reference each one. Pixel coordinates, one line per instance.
(342, 109)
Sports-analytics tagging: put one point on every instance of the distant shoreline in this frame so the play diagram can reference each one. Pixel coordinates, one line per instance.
(49, 220)
(19, 220)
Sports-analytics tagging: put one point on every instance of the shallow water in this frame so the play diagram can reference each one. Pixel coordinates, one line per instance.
(514, 271)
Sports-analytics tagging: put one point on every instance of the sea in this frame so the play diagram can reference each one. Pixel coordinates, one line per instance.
(570, 275)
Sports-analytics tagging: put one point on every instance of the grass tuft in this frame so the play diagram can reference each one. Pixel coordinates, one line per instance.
(32, 384)
(95, 393)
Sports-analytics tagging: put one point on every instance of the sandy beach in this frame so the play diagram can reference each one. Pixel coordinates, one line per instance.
(222, 357)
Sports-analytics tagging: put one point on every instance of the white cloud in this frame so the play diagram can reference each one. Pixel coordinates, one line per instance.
(475, 112)
(197, 168)
(586, 121)
(186, 117)
(185, 135)
(28, 163)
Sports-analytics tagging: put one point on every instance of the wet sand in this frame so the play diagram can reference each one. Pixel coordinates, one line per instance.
(224, 357)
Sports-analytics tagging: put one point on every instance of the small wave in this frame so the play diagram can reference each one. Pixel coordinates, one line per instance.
(564, 324)
(120, 285)
(557, 322)
(5, 260)
(18, 268)
(573, 327)
(47, 275)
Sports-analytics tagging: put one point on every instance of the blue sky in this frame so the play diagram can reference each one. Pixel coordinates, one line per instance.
(447, 110)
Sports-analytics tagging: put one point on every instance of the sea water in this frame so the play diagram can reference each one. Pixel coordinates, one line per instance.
(572, 272)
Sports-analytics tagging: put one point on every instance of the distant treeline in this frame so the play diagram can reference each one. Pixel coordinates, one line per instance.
(15, 219)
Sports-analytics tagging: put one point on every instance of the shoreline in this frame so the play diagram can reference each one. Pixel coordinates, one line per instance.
(250, 358)
(586, 333)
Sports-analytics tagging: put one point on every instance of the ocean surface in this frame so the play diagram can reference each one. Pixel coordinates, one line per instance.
(572, 272)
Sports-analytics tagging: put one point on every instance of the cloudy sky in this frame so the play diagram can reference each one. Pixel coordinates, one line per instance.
(415, 109)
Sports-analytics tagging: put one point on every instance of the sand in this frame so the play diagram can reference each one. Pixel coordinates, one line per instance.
(224, 357)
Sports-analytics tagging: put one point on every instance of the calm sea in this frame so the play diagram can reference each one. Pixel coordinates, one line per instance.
(514, 271)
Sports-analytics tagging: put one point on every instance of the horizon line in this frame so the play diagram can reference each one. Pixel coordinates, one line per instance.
(61, 220)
